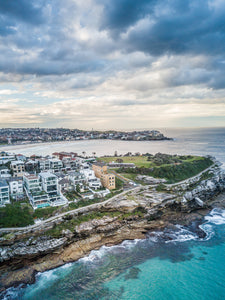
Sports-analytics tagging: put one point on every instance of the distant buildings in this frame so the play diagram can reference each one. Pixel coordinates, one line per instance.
(39, 135)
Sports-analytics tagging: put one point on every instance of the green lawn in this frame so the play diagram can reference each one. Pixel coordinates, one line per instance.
(139, 161)
(142, 161)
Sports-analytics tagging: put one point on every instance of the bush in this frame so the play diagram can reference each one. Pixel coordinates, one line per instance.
(13, 215)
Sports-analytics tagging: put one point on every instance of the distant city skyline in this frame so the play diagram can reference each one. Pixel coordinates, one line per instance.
(103, 64)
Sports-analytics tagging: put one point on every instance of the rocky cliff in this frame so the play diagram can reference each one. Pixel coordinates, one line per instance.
(128, 216)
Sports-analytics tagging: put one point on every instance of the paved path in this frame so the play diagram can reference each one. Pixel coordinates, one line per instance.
(67, 213)
(186, 180)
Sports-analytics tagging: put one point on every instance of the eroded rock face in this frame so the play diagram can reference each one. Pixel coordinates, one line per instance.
(29, 248)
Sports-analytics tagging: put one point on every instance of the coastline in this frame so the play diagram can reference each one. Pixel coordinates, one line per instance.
(137, 229)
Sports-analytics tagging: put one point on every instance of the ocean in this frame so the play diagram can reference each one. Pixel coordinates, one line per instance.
(171, 264)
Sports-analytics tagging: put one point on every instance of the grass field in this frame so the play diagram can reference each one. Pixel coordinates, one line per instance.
(142, 161)
(139, 161)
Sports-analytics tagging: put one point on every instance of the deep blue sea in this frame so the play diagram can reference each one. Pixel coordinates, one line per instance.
(171, 264)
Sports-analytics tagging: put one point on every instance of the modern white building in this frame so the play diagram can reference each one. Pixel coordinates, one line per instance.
(37, 197)
(92, 181)
(54, 164)
(4, 192)
(76, 178)
(6, 158)
(4, 172)
(50, 185)
(16, 187)
(18, 168)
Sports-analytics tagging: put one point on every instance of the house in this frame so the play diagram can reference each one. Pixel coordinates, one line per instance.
(107, 180)
(4, 192)
(18, 168)
(50, 185)
(53, 164)
(91, 180)
(31, 165)
(4, 172)
(37, 197)
(16, 187)
(64, 184)
(76, 178)
(6, 158)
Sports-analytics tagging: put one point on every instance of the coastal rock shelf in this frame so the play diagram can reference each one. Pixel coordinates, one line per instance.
(129, 215)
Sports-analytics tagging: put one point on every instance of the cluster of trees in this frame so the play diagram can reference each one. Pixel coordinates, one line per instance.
(160, 158)
(14, 215)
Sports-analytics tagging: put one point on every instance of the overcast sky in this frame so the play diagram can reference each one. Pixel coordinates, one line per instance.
(112, 64)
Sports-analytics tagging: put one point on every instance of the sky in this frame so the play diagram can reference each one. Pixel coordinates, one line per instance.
(112, 64)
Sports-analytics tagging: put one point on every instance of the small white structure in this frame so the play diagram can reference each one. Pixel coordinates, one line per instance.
(4, 192)
(4, 172)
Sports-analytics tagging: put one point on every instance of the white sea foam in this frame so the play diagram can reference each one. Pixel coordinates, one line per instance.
(216, 216)
(182, 235)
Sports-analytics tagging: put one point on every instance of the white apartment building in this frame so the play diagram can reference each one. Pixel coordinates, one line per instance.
(53, 164)
(4, 192)
(4, 172)
(92, 181)
(50, 185)
(15, 186)
(18, 168)
(6, 158)
(37, 197)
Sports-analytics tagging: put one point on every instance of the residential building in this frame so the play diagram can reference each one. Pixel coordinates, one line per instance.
(18, 168)
(91, 180)
(4, 192)
(76, 178)
(16, 187)
(6, 158)
(4, 172)
(50, 185)
(64, 185)
(37, 197)
(53, 164)
(107, 180)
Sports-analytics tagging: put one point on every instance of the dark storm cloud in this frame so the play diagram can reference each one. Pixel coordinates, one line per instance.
(168, 26)
(45, 38)
(24, 10)
(120, 14)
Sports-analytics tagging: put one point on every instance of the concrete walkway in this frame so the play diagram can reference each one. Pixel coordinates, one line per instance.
(92, 206)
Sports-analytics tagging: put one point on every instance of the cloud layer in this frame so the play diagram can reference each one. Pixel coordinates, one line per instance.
(112, 64)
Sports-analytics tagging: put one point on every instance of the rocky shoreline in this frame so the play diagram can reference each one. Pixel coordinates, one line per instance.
(141, 211)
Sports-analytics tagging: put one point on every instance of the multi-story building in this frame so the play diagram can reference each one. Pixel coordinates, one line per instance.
(37, 197)
(107, 180)
(16, 186)
(4, 192)
(18, 168)
(50, 185)
(6, 158)
(76, 178)
(4, 172)
(90, 178)
(53, 164)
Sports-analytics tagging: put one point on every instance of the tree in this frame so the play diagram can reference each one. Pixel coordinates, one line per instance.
(78, 188)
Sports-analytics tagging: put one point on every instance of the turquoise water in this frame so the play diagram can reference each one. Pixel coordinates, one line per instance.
(170, 264)
(173, 264)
